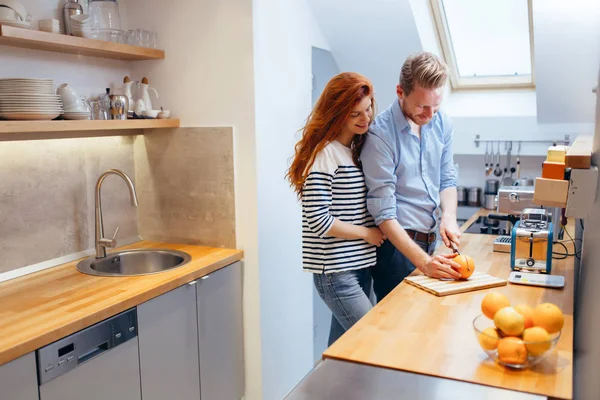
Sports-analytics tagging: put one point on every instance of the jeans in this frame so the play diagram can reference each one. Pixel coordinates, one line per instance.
(346, 294)
(392, 267)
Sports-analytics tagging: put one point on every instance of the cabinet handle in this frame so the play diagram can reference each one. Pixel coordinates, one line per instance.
(205, 277)
(192, 283)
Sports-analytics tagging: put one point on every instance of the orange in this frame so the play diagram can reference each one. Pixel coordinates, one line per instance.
(512, 350)
(541, 340)
(549, 317)
(488, 339)
(467, 265)
(492, 302)
(527, 312)
(509, 321)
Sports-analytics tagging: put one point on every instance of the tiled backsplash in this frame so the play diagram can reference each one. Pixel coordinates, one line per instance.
(47, 196)
(183, 177)
(185, 186)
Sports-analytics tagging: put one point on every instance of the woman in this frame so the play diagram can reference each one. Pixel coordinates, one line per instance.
(338, 234)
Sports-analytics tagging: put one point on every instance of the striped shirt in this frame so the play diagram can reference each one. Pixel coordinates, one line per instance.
(334, 188)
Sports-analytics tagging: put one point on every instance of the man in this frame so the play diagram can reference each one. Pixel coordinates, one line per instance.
(408, 164)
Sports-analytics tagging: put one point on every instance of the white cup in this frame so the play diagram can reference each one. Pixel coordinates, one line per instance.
(68, 95)
(8, 14)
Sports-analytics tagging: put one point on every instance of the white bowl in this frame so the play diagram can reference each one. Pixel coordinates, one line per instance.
(8, 14)
(18, 7)
(150, 113)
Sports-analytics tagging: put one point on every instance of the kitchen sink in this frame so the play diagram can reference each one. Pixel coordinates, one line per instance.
(134, 262)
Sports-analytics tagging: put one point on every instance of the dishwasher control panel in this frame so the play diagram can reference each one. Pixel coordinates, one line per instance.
(66, 354)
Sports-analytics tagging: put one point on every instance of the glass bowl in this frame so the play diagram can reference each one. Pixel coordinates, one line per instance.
(517, 353)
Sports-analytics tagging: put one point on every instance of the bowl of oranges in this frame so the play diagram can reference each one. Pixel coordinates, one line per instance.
(520, 336)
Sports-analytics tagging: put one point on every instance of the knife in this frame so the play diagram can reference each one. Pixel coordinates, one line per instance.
(454, 248)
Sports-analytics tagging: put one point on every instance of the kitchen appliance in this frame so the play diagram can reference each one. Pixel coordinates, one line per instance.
(524, 182)
(474, 197)
(502, 244)
(71, 7)
(535, 279)
(98, 363)
(461, 195)
(486, 226)
(532, 239)
(514, 199)
(438, 287)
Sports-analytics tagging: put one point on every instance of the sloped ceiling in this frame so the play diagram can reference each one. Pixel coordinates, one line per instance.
(371, 37)
(374, 37)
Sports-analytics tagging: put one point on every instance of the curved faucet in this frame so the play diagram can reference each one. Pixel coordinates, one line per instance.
(101, 242)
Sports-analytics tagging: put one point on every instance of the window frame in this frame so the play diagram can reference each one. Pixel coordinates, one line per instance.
(458, 83)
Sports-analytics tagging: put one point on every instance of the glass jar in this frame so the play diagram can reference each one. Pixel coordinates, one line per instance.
(104, 14)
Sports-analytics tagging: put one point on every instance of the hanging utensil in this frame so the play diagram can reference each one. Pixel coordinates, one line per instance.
(519, 161)
(485, 157)
(497, 171)
(507, 179)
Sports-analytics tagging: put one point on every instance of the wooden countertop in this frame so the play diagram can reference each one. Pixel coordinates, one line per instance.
(412, 330)
(38, 309)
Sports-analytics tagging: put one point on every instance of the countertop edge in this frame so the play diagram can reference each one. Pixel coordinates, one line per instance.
(12, 353)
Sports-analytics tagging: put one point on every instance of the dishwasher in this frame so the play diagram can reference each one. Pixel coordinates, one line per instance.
(98, 363)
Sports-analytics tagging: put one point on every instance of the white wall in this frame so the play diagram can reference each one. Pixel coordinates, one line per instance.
(567, 51)
(370, 37)
(471, 168)
(207, 79)
(284, 33)
(511, 128)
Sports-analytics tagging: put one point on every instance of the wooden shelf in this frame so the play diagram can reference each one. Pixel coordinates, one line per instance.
(38, 40)
(85, 125)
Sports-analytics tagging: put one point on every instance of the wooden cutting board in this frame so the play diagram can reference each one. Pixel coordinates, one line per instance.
(438, 287)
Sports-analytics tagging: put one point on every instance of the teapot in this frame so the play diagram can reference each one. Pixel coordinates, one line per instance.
(143, 93)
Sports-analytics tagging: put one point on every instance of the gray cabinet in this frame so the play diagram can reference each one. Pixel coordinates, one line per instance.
(168, 341)
(191, 340)
(18, 379)
(220, 334)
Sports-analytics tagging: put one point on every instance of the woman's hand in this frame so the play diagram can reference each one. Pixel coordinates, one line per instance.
(374, 236)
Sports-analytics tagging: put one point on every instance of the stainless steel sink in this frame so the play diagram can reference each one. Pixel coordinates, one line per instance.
(134, 262)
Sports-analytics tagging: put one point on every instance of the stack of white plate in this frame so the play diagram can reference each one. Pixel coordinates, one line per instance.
(29, 99)
(77, 114)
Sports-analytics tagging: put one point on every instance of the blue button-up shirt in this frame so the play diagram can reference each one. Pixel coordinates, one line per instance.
(405, 175)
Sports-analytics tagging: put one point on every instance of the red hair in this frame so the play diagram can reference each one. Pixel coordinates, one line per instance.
(326, 121)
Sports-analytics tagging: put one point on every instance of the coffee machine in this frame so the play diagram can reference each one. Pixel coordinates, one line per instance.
(510, 203)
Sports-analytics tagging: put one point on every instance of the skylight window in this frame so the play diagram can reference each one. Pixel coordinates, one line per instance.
(486, 43)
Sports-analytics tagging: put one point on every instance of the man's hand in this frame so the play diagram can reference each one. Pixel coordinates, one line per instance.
(450, 231)
(441, 266)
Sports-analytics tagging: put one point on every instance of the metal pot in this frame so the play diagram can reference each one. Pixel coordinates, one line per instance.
(461, 195)
(475, 197)
(489, 201)
(492, 186)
